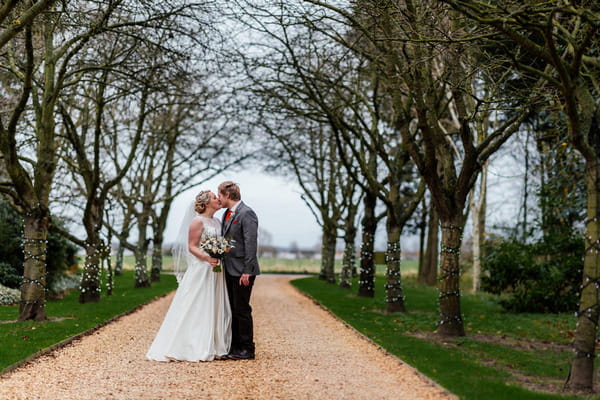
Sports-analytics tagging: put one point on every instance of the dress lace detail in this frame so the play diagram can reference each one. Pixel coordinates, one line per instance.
(212, 227)
(197, 326)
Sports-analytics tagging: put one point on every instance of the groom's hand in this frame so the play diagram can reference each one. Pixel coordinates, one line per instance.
(245, 279)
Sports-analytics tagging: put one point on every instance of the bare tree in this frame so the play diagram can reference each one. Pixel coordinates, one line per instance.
(195, 146)
(44, 70)
(563, 37)
(332, 87)
(94, 172)
(299, 135)
(63, 44)
(309, 151)
(366, 278)
(184, 146)
(416, 46)
(399, 190)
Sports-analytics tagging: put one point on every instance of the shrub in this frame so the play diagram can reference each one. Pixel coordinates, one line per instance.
(539, 277)
(62, 284)
(9, 276)
(11, 253)
(61, 253)
(9, 296)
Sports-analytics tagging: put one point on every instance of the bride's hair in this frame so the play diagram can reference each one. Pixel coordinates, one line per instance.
(202, 199)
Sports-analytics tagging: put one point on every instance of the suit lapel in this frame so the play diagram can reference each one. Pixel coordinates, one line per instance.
(223, 222)
(227, 224)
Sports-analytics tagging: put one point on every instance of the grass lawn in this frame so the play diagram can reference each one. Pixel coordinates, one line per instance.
(501, 354)
(69, 318)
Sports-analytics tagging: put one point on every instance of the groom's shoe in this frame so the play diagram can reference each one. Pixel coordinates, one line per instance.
(241, 355)
(233, 350)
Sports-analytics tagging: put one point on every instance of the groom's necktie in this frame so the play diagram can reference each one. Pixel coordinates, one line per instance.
(227, 215)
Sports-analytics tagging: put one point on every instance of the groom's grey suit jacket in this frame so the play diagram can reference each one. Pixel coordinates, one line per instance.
(242, 228)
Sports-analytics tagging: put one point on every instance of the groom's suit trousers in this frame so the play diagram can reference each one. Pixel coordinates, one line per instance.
(242, 333)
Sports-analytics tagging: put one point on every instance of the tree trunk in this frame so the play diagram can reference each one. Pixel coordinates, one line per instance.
(328, 253)
(581, 374)
(109, 269)
(544, 209)
(33, 287)
(451, 322)
(483, 205)
(476, 248)
(141, 249)
(141, 270)
(524, 226)
(119, 260)
(393, 287)
(428, 273)
(366, 281)
(349, 257)
(90, 281)
(478, 207)
(422, 235)
(156, 260)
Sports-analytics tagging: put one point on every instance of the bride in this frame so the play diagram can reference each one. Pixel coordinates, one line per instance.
(197, 326)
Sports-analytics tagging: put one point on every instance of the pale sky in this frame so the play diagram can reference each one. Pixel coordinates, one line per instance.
(276, 201)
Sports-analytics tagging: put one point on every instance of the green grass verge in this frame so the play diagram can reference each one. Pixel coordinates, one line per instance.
(500, 348)
(69, 318)
(313, 266)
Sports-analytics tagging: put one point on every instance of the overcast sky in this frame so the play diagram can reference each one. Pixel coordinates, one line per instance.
(276, 201)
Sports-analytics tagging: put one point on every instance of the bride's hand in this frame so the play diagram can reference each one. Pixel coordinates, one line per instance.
(213, 261)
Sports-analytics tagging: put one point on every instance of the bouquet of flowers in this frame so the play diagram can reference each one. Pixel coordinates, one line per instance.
(216, 246)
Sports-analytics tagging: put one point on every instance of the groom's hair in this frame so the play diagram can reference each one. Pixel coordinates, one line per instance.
(231, 189)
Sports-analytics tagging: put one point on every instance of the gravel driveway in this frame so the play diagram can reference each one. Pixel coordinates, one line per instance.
(302, 352)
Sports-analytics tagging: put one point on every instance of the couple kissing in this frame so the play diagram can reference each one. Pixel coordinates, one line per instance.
(210, 316)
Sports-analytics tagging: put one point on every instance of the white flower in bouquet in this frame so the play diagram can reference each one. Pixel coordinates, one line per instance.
(216, 246)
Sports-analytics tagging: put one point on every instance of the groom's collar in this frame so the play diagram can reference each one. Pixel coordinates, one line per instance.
(235, 206)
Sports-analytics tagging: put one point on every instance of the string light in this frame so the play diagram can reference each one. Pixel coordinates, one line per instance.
(91, 281)
(592, 245)
(591, 313)
(327, 271)
(40, 246)
(348, 262)
(450, 273)
(366, 255)
(40, 282)
(393, 286)
(447, 319)
(34, 240)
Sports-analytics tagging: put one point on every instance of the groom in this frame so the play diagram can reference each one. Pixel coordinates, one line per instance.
(239, 224)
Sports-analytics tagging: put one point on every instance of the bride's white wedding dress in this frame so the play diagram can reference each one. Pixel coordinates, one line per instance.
(197, 326)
